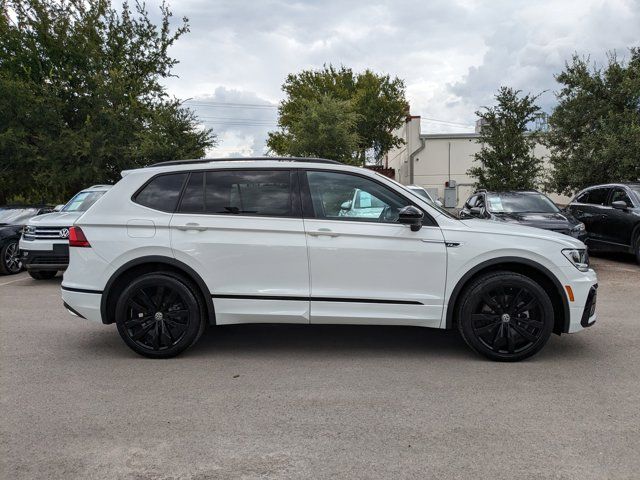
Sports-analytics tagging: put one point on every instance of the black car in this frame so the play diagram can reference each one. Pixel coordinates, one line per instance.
(528, 208)
(12, 219)
(611, 214)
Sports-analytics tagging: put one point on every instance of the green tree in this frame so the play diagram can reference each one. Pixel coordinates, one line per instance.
(594, 134)
(374, 106)
(324, 128)
(81, 96)
(506, 158)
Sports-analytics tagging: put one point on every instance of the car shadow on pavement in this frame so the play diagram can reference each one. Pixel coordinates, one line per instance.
(614, 256)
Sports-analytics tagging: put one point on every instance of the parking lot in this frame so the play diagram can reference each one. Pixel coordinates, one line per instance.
(317, 402)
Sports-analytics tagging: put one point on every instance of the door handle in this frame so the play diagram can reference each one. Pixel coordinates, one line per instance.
(191, 226)
(323, 232)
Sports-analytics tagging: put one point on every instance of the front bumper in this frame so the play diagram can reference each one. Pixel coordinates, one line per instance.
(583, 309)
(55, 259)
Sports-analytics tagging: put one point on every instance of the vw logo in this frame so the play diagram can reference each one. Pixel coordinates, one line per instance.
(64, 233)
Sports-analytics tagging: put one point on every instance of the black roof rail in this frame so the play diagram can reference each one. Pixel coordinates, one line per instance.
(244, 159)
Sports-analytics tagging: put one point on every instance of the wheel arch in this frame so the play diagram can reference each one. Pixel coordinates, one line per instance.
(148, 264)
(526, 267)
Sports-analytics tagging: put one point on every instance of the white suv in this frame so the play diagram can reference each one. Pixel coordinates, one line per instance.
(44, 244)
(177, 246)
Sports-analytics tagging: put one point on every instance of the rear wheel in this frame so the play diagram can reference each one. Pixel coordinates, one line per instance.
(159, 315)
(505, 316)
(42, 274)
(638, 249)
(10, 262)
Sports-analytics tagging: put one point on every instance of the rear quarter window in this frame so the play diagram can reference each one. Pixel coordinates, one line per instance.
(162, 192)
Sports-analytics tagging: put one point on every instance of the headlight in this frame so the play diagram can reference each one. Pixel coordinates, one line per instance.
(578, 228)
(579, 257)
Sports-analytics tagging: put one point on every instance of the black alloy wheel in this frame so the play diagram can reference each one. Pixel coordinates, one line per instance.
(506, 316)
(10, 262)
(159, 315)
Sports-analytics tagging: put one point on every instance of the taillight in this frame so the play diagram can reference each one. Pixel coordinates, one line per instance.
(77, 238)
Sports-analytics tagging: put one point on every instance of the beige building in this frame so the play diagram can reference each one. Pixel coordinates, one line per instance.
(434, 161)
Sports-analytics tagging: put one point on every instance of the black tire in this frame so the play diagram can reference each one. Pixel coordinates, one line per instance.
(505, 316)
(637, 251)
(42, 274)
(10, 262)
(160, 315)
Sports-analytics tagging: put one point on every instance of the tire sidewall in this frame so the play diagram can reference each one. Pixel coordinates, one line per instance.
(196, 319)
(472, 297)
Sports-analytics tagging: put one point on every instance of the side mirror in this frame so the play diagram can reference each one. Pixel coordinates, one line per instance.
(58, 208)
(346, 205)
(620, 205)
(439, 203)
(411, 216)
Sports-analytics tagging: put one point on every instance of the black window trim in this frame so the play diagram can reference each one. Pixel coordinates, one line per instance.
(309, 212)
(294, 193)
(145, 184)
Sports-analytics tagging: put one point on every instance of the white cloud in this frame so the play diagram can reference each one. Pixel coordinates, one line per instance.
(452, 55)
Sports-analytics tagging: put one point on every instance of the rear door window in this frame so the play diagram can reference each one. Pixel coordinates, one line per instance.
(162, 192)
(249, 192)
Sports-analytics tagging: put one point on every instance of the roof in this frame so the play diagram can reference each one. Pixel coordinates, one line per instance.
(444, 136)
(98, 188)
(245, 162)
(245, 159)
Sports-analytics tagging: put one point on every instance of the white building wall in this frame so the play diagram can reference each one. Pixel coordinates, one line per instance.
(445, 157)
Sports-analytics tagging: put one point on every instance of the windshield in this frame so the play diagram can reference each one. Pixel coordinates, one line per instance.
(636, 190)
(82, 201)
(16, 216)
(520, 203)
(422, 192)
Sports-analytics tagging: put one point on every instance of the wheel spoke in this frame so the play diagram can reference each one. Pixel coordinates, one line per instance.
(175, 324)
(137, 306)
(530, 322)
(527, 335)
(146, 299)
(510, 342)
(137, 321)
(528, 306)
(491, 303)
(514, 301)
(142, 332)
(159, 297)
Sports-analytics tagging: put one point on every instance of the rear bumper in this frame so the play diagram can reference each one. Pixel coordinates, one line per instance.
(55, 259)
(82, 303)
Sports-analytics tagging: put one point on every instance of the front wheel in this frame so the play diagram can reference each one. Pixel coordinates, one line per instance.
(505, 316)
(10, 262)
(159, 315)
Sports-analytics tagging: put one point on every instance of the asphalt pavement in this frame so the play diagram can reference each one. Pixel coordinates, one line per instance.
(293, 402)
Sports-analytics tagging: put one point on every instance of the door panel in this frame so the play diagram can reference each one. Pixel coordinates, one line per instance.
(618, 224)
(248, 258)
(365, 266)
(361, 264)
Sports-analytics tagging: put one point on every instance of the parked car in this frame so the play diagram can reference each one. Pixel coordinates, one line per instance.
(418, 190)
(176, 246)
(12, 221)
(527, 208)
(45, 240)
(611, 214)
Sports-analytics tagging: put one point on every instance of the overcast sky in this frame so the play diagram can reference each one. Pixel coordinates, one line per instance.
(452, 54)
